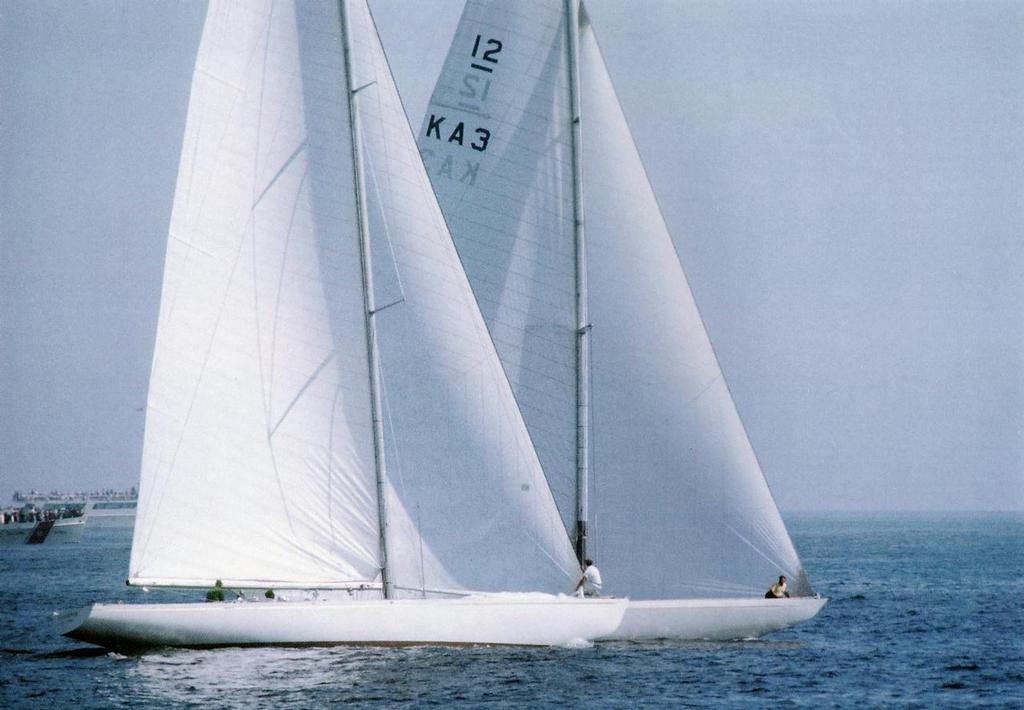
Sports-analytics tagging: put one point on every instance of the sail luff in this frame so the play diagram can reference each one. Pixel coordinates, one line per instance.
(366, 268)
(580, 259)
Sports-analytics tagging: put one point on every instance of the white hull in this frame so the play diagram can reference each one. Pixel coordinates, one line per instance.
(534, 620)
(52, 532)
(711, 619)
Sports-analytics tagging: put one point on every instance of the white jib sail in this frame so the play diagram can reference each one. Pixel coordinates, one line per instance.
(258, 464)
(496, 141)
(679, 505)
(682, 507)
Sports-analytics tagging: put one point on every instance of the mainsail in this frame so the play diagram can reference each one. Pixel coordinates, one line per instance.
(679, 504)
(259, 465)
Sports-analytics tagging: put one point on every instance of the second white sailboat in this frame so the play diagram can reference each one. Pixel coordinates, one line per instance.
(580, 284)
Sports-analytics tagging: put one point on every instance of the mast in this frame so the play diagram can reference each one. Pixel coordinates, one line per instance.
(366, 266)
(582, 319)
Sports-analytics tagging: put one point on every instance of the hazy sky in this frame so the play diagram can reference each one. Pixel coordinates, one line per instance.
(843, 182)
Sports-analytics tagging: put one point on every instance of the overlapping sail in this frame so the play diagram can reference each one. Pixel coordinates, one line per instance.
(259, 465)
(496, 143)
(678, 501)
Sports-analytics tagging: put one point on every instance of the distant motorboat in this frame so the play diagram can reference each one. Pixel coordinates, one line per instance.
(42, 530)
(107, 508)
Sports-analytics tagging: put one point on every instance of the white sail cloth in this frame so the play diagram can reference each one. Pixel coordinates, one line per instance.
(678, 503)
(510, 208)
(258, 464)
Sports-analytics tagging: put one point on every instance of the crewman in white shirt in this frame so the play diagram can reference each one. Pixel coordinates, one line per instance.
(590, 581)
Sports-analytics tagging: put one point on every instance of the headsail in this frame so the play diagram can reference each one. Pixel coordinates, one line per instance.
(679, 504)
(258, 464)
(682, 506)
(496, 142)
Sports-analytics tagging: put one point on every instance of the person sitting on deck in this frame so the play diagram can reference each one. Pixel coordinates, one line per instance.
(590, 581)
(217, 593)
(778, 590)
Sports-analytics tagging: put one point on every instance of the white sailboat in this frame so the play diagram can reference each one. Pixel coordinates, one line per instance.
(326, 409)
(578, 279)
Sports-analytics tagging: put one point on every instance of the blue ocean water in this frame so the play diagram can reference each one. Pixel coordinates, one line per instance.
(926, 610)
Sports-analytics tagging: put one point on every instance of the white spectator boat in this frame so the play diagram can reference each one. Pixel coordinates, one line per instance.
(42, 532)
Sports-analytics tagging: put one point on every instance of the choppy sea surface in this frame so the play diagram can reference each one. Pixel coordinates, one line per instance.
(926, 610)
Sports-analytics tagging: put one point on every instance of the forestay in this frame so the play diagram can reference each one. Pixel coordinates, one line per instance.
(258, 465)
(678, 501)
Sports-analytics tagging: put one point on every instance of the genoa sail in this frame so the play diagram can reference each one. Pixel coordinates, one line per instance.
(679, 506)
(259, 465)
(509, 205)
